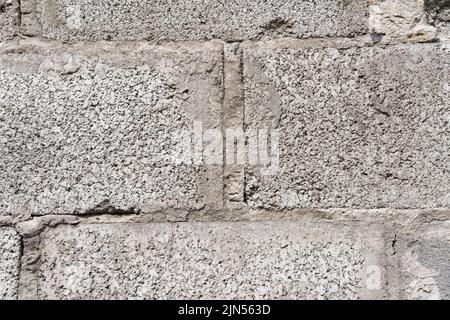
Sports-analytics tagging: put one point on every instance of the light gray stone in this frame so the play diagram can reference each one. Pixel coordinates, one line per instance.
(230, 20)
(29, 24)
(423, 250)
(9, 263)
(358, 127)
(92, 128)
(394, 21)
(9, 19)
(263, 260)
(409, 21)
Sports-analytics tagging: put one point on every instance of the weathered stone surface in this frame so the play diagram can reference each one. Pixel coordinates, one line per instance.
(229, 20)
(301, 259)
(423, 251)
(29, 24)
(92, 128)
(409, 21)
(438, 13)
(400, 21)
(9, 19)
(358, 127)
(9, 263)
(439, 10)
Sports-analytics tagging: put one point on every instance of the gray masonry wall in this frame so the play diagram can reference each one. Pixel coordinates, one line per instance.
(225, 149)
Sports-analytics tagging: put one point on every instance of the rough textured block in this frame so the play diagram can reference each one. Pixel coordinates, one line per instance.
(400, 21)
(358, 127)
(439, 10)
(438, 13)
(423, 250)
(291, 260)
(92, 128)
(9, 263)
(200, 19)
(9, 18)
(409, 21)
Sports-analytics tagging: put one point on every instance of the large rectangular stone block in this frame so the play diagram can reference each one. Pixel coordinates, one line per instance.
(180, 20)
(9, 19)
(263, 260)
(94, 128)
(358, 127)
(10, 250)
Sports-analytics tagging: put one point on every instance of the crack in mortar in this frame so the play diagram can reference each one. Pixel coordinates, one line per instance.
(19, 12)
(105, 207)
(394, 242)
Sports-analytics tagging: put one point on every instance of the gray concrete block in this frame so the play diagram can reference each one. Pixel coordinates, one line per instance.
(358, 127)
(9, 19)
(92, 128)
(10, 250)
(229, 20)
(290, 260)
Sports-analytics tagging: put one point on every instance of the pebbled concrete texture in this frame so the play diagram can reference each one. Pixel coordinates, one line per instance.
(100, 197)
(229, 20)
(10, 251)
(359, 127)
(9, 19)
(91, 128)
(279, 260)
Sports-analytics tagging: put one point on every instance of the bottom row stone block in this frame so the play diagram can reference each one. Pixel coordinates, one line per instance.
(10, 251)
(304, 259)
(262, 260)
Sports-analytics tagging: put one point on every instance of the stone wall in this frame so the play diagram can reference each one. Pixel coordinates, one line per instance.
(225, 149)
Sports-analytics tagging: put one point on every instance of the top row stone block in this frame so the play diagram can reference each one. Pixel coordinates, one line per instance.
(191, 20)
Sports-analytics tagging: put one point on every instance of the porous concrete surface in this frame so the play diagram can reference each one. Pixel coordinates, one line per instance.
(359, 127)
(307, 259)
(10, 251)
(9, 19)
(92, 128)
(230, 20)
(97, 201)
